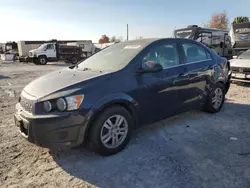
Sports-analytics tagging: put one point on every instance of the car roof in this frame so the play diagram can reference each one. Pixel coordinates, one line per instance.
(147, 41)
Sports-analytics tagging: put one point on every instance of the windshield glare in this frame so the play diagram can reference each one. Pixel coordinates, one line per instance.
(244, 55)
(114, 57)
(42, 46)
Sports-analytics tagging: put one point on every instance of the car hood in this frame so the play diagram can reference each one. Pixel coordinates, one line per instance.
(33, 50)
(62, 81)
(240, 63)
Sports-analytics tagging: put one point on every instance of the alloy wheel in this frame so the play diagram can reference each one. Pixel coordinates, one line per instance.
(217, 98)
(114, 131)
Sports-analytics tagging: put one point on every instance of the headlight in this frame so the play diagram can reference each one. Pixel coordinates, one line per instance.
(47, 106)
(74, 102)
(61, 104)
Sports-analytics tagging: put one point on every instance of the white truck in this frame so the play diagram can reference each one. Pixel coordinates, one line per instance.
(71, 52)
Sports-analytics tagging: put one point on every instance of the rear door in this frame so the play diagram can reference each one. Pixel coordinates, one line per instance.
(200, 69)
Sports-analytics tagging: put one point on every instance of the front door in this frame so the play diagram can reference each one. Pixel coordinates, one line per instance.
(158, 92)
(51, 51)
(200, 68)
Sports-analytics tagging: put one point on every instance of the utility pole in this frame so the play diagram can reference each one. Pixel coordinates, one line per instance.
(127, 31)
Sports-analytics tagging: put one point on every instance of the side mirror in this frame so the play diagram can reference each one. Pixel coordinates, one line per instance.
(150, 67)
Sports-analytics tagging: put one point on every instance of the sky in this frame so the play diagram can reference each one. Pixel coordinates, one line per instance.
(90, 19)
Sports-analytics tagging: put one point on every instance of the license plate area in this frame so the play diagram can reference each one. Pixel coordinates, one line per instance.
(240, 75)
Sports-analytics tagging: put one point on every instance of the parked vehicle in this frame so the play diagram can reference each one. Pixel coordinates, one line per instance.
(25, 46)
(102, 99)
(54, 51)
(216, 39)
(26, 49)
(241, 67)
(240, 37)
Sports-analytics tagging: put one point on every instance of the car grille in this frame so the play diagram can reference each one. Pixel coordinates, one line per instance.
(240, 69)
(27, 106)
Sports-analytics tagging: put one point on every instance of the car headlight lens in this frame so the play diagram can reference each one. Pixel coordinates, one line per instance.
(47, 106)
(74, 102)
(61, 104)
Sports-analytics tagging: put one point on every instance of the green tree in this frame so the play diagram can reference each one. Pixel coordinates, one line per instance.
(241, 19)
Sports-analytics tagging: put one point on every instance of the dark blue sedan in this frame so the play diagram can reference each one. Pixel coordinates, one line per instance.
(101, 100)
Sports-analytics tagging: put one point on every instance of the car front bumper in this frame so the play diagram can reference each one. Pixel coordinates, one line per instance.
(241, 76)
(58, 130)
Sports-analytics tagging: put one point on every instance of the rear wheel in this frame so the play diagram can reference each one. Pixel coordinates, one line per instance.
(111, 131)
(216, 98)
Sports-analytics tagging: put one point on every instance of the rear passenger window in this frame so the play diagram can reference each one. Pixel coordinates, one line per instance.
(194, 53)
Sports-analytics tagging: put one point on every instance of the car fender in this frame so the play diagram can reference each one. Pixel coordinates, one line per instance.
(113, 99)
(119, 98)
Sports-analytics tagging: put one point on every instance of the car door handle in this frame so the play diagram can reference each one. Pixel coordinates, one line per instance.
(182, 74)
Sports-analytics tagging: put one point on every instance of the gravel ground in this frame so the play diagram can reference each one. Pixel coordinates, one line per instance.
(194, 149)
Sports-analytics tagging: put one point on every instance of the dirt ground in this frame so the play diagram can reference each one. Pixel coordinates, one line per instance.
(194, 149)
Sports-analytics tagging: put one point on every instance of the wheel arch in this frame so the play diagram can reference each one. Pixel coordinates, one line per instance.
(42, 55)
(122, 100)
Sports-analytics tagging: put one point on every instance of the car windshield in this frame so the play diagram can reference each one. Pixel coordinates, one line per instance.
(112, 58)
(244, 55)
(42, 46)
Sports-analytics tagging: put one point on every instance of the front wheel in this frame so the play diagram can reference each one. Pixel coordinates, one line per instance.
(111, 131)
(42, 60)
(216, 98)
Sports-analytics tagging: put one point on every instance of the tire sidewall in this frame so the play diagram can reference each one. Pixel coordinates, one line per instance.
(72, 60)
(210, 104)
(45, 60)
(97, 126)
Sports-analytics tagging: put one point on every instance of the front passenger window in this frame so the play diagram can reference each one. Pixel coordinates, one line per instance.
(194, 53)
(165, 54)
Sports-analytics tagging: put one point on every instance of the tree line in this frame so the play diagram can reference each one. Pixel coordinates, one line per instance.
(221, 20)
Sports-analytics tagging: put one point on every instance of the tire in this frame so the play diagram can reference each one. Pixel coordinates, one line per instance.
(215, 98)
(100, 128)
(74, 60)
(42, 60)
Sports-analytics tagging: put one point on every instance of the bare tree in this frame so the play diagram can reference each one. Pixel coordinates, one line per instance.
(116, 39)
(140, 37)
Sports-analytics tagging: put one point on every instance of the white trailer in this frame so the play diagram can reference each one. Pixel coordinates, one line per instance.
(216, 39)
(25, 46)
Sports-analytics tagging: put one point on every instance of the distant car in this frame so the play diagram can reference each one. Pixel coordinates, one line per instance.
(104, 98)
(241, 67)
